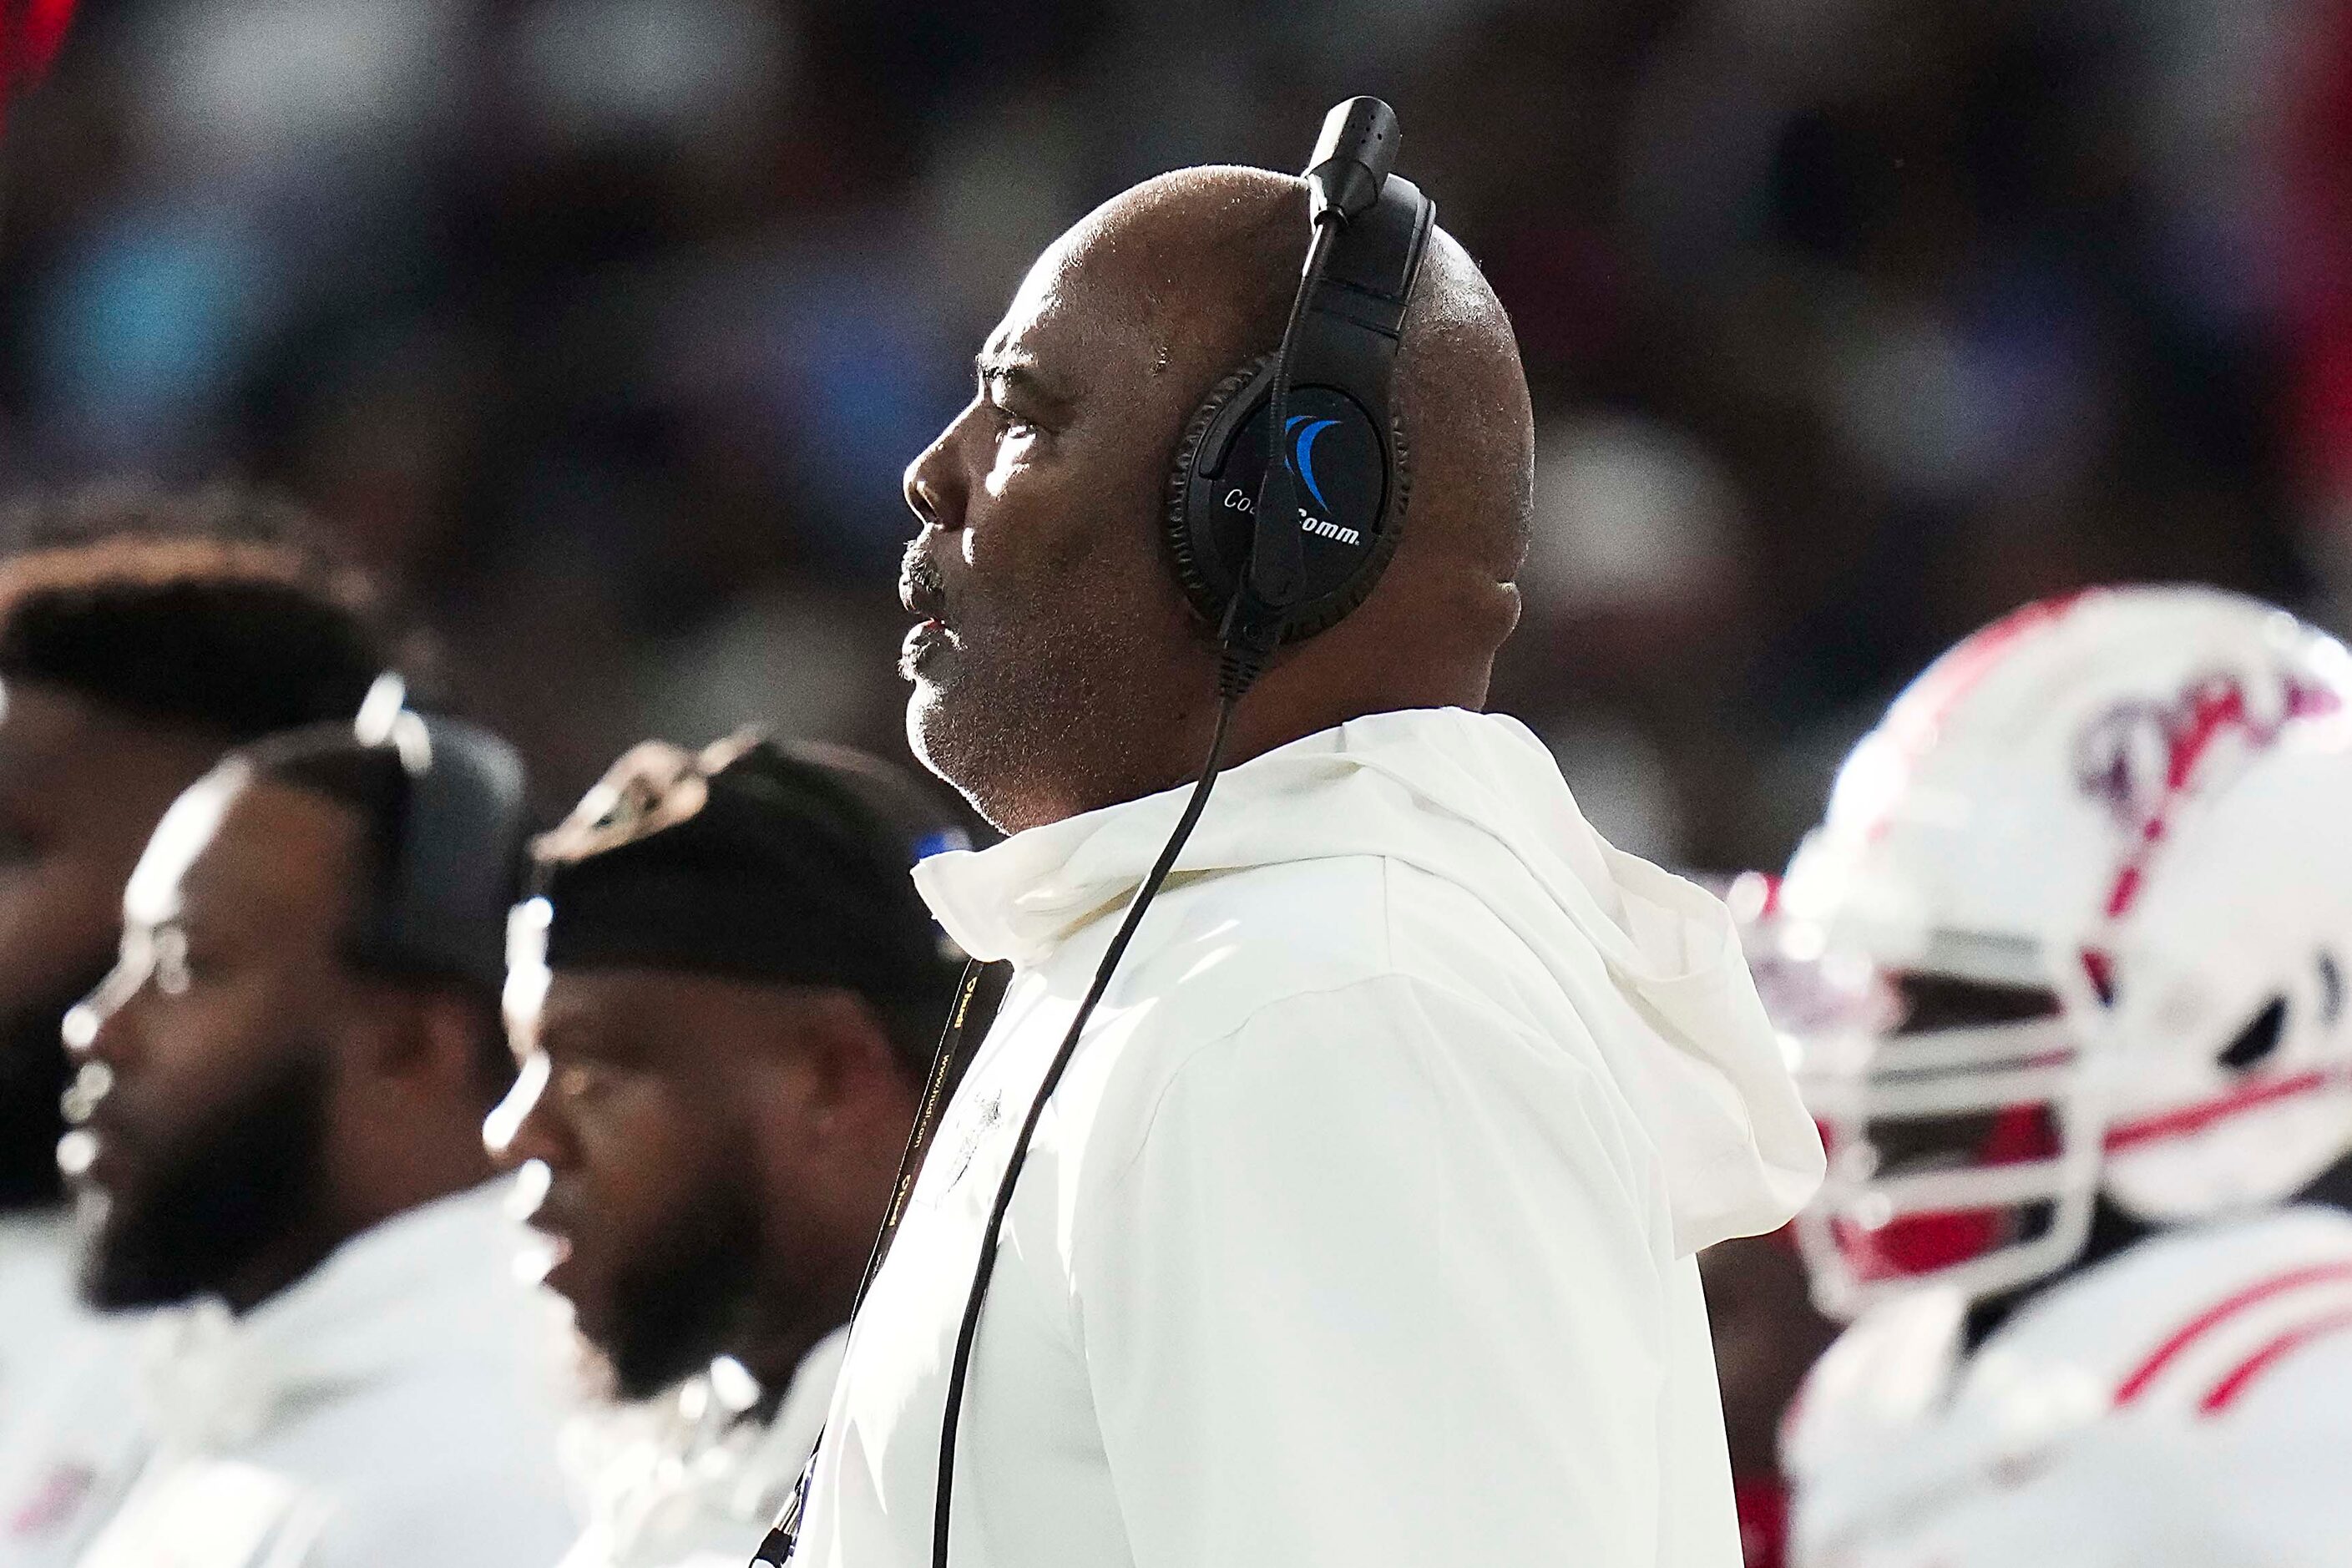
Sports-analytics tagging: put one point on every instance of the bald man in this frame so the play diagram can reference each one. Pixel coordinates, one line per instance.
(1360, 1230)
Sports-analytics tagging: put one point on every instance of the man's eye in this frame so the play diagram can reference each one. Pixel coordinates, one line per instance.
(578, 1083)
(1011, 424)
(16, 847)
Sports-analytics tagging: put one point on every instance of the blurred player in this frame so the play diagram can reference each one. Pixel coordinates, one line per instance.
(1767, 1331)
(141, 637)
(2089, 885)
(31, 33)
(280, 1093)
(724, 1001)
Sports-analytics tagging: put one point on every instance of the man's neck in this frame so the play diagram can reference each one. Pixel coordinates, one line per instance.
(774, 1348)
(774, 1361)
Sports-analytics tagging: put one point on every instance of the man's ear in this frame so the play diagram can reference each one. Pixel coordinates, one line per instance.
(429, 1040)
(853, 1070)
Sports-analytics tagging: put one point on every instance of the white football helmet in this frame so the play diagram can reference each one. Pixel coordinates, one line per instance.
(2086, 894)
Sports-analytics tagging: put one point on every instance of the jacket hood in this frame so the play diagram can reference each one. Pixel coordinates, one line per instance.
(1701, 1066)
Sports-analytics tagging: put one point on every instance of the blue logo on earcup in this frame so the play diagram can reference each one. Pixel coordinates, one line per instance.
(1302, 450)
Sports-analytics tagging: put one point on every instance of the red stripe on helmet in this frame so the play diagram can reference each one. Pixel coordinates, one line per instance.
(1916, 720)
(2208, 710)
(1939, 690)
(2183, 1120)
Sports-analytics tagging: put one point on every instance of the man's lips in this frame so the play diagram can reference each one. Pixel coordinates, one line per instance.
(924, 592)
(554, 1212)
(550, 1251)
(95, 1163)
(95, 1151)
(557, 1250)
(559, 1212)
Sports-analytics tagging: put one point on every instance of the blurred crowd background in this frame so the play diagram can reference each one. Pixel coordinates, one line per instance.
(602, 328)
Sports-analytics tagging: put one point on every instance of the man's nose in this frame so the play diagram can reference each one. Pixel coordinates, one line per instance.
(934, 481)
(95, 1028)
(97, 1038)
(523, 1127)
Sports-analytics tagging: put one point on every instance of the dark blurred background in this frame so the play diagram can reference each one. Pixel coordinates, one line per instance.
(602, 328)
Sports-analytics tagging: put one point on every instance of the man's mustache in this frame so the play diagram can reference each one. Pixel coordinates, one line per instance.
(922, 588)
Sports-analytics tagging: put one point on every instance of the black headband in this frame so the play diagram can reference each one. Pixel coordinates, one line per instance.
(750, 862)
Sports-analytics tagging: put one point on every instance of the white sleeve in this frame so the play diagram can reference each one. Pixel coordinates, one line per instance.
(1380, 1284)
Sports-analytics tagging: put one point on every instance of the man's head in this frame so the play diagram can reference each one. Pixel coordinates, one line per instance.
(722, 1034)
(262, 1076)
(1060, 668)
(140, 639)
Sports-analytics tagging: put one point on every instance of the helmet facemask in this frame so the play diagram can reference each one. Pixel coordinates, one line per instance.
(1963, 1142)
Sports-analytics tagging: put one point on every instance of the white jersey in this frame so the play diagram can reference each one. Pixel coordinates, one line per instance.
(2186, 1404)
(396, 1405)
(68, 1406)
(688, 1480)
(37, 1304)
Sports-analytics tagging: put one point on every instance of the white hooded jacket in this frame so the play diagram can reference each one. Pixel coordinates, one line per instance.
(398, 1404)
(1360, 1230)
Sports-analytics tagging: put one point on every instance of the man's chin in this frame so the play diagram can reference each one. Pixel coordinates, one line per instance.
(596, 1377)
(930, 728)
(180, 1216)
(591, 1315)
(585, 1350)
(632, 1362)
(128, 1262)
(687, 1291)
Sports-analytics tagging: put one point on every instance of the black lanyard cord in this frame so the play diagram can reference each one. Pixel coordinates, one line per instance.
(947, 1066)
(962, 1367)
(977, 997)
(947, 1062)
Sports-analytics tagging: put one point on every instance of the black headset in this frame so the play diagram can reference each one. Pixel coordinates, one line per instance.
(1275, 553)
(1260, 561)
(442, 910)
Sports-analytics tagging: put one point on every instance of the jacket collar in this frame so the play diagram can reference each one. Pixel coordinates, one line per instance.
(1022, 898)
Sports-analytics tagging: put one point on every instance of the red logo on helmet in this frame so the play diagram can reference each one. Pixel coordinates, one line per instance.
(2140, 759)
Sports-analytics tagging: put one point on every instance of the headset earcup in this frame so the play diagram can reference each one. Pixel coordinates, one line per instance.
(1191, 530)
(1187, 536)
(1321, 615)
